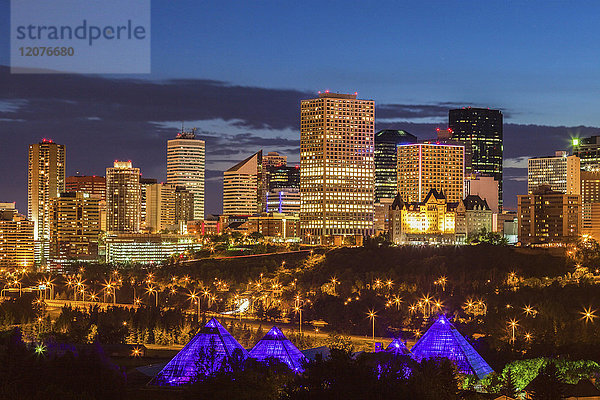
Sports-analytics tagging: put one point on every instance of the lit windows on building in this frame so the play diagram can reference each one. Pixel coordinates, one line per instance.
(186, 161)
(561, 172)
(123, 197)
(336, 166)
(426, 166)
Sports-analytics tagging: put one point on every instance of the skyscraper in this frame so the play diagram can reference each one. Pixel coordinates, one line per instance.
(547, 216)
(588, 151)
(481, 130)
(74, 226)
(46, 179)
(123, 197)
(242, 187)
(336, 167)
(185, 167)
(426, 166)
(16, 238)
(167, 205)
(386, 161)
(560, 172)
(95, 185)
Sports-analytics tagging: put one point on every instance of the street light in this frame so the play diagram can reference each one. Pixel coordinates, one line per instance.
(372, 314)
(298, 310)
(194, 297)
(334, 282)
(513, 324)
(150, 290)
(588, 315)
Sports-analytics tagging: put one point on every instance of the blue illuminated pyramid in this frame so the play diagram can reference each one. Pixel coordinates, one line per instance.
(397, 348)
(206, 353)
(443, 340)
(275, 345)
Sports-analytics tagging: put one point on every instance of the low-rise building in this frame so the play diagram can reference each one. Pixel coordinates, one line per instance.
(430, 221)
(139, 248)
(473, 215)
(276, 227)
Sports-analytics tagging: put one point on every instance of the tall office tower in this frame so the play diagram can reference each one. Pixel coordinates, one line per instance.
(74, 226)
(283, 177)
(426, 166)
(548, 217)
(274, 159)
(336, 167)
(160, 206)
(243, 187)
(186, 159)
(590, 203)
(46, 179)
(588, 151)
(16, 238)
(123, 197)
(184, 204)
(480, 129)
(560, 172)
(95, 185)
(284, 201)
(386, 161)
(144, 184)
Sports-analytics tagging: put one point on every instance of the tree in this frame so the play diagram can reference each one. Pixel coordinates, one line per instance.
(548, 385)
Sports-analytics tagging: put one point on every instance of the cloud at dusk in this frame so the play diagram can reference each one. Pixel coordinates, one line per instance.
(101, 119)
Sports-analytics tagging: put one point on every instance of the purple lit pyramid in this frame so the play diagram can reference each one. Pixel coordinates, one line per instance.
(275, 345)
(205, 354)
(443, 340)
(397, 348)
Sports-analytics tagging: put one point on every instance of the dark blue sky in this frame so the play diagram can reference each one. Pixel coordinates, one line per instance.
(237, 71)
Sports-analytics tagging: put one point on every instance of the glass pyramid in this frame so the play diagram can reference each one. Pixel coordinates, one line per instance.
(398, 348)
(206, 353)
(443, 340)
(275, 345)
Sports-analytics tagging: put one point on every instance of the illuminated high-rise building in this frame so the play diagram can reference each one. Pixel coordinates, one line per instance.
(386, 161)
(94, 185)
(426, 166)
(560, 172)
(186, 159)
(481, 130)
(16, 238)
(336, 167)
(548, 217)
(167, 205)
(144, 184)
(243, 187)
(274, 159)
(590, 203)
(46, 179)
(74, 226)
(283, 177)
(123, 197)
(588, 151)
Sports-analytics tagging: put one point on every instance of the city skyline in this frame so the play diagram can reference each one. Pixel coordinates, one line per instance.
(245, 101)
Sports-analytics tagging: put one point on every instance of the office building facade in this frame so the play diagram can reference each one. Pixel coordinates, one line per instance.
(561, 172)
(481, 130)
(94, 185)
(74, 226)
(186, 163)
(588, 151)
(16, 238)
(386, 161)
(243, 187)
(123, 197)
(426, 166)
(45, 180)
(548, 217)
(284, 201)
(336, 167)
